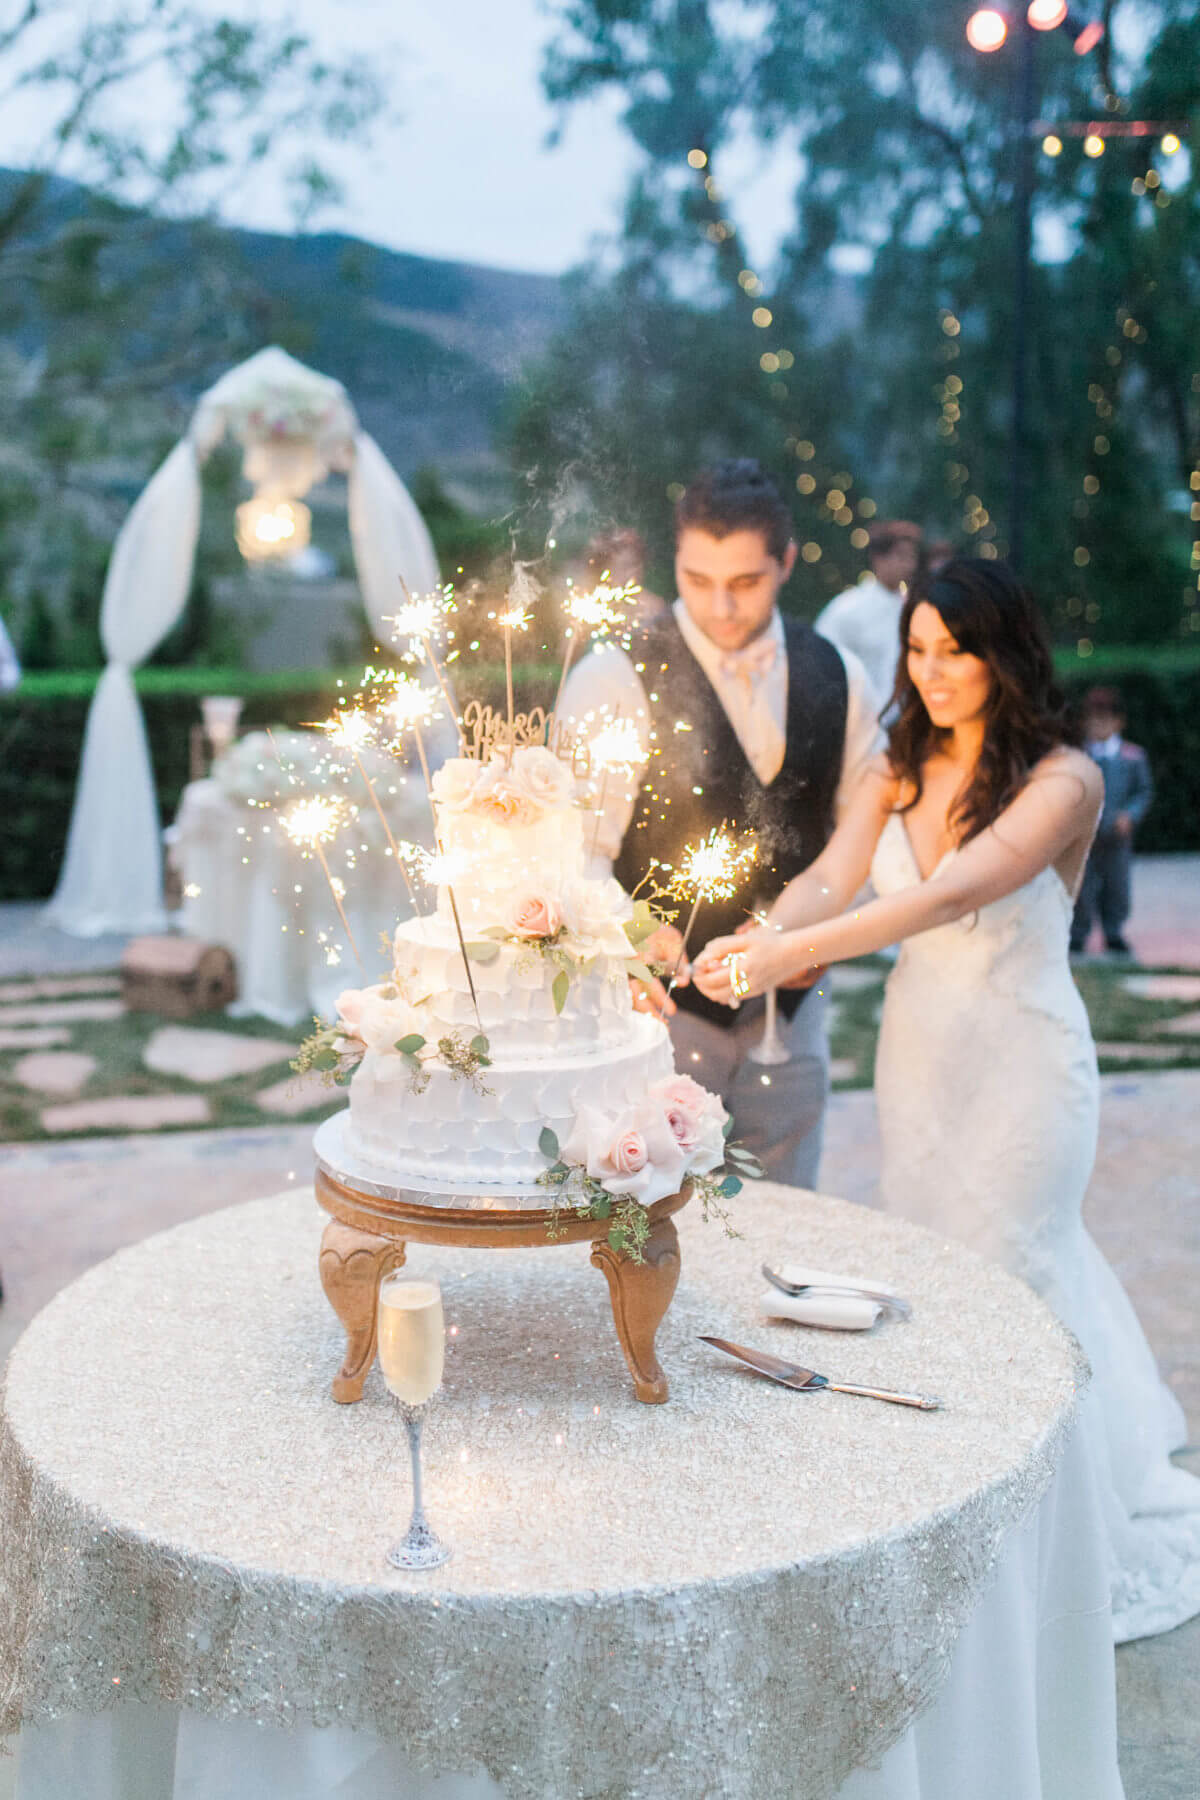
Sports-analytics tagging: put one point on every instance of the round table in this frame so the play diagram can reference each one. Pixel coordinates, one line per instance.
(746, 1592)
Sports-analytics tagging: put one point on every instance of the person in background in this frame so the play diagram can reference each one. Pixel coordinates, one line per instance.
(1128, 791)
(936, 555)
(620, 556)
(10, 667)
(865, 619)
(755, 722)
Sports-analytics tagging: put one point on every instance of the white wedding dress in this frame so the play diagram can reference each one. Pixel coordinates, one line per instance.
(988, 1101)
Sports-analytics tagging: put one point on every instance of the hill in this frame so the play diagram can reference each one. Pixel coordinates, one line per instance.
(427, 349)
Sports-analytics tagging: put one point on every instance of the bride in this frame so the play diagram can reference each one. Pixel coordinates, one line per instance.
(974, 828)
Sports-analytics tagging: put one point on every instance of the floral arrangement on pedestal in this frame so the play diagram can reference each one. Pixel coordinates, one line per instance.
(616, 1167)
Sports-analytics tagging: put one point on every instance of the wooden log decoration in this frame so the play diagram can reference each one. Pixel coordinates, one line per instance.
(176, 976)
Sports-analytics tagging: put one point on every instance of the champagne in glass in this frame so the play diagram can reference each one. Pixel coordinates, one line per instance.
(412, 1346)
(412, 1338)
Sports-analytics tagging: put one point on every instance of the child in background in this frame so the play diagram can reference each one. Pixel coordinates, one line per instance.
(1128, 791)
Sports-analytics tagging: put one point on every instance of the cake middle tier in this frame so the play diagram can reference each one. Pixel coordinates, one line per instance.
(514, 988)
(450, 1132)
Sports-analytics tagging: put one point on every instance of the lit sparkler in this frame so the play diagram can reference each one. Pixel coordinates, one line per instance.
(312, 823)
(598, 611)
(411, 707)
(713, 869)
(353, 730)
(617, 748)
(419, 621)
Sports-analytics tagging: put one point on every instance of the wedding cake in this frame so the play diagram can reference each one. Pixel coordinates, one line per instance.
(507, 1024)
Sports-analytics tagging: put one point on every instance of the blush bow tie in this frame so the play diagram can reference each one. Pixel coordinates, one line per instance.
(753, 663)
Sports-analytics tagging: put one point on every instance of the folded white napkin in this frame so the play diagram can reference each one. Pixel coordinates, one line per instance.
(833, 1312)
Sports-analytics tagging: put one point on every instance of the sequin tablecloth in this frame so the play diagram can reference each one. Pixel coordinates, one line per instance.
(672, 1600)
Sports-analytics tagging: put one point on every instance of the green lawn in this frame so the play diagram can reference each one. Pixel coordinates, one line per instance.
(1118, 1018)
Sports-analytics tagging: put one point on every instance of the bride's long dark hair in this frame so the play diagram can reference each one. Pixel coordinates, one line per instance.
(992, 615)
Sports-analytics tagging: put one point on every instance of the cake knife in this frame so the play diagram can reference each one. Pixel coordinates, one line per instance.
(803, 1381)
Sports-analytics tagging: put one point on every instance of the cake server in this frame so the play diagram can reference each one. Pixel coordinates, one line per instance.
(803, 1381)
(795, 1290)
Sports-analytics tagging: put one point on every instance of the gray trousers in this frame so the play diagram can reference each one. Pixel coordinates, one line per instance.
(778, 1110)
(1106, 889)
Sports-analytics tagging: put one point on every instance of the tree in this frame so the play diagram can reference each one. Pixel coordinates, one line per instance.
(903, 148)
(119, 297)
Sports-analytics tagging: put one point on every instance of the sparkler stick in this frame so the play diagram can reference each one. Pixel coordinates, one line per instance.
(599, 611)
(352, 731)
(417, 619)
(615, 746)
(710, 870)
(311, 823)
(412, 707)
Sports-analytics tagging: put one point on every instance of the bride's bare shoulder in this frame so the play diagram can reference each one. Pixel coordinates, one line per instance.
(1065, 761)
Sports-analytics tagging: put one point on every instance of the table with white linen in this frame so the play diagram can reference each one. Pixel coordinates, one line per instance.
(747, 1592)
(247, 887)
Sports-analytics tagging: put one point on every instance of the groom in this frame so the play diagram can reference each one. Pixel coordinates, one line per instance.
(752, 720)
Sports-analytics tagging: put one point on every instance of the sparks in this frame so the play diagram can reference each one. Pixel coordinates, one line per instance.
(351, 730)
(618, 747)
(713, 868)
(313, 821)
(411, 704)
(516, 619)
(603, 607)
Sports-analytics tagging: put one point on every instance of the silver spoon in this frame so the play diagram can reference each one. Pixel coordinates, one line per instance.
(796, 1290)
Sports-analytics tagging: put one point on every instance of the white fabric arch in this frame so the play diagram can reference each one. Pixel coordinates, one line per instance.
(294, 425)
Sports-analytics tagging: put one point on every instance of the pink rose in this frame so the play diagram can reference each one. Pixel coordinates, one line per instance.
(502, 799)
(534, 916)
(350, 1004)
(635, 1153)
(696, 1119)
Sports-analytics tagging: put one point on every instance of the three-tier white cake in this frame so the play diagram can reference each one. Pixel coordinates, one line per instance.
(549, 957)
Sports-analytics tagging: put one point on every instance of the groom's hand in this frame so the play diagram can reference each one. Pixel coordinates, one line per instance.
(806, 979)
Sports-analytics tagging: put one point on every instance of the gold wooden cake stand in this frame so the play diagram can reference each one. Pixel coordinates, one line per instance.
(371, 1224)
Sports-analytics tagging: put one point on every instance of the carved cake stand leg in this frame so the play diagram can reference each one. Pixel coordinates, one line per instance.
(640, 1295)
(353, 1263)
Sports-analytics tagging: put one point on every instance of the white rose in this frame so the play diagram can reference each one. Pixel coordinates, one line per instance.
(537, 773)
(592, 911)
(382, 1022)
(455, 783)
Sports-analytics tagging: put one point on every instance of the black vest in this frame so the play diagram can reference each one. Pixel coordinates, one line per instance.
(699, 777)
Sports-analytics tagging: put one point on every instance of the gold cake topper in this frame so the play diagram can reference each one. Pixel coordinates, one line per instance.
(485, 731)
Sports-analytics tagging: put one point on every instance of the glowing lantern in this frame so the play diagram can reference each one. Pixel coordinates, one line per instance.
(270, 527)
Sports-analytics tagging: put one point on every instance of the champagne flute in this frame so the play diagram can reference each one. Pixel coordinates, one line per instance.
(412, 1353)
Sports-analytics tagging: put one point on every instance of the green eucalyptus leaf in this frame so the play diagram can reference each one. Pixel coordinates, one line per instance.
(602, 1209)
(326, 1059)
(483, 953)
(638, 970)
(548, 1144)
(727, 1129)
(729, 1187)
(480, 1045)
(408, 1046)
(562, 982)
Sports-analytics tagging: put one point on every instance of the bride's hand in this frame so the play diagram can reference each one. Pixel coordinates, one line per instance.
(731, 969)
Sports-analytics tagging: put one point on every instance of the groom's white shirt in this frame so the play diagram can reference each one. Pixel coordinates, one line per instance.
(606, 682)
(864, 621)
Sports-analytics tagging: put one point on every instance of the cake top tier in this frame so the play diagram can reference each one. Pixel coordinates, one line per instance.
(507, 826)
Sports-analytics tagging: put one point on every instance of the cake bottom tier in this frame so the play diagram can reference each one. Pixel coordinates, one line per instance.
(450, 1132)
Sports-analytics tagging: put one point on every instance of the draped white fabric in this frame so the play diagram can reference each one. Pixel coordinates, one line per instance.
(111, 876)
(388, 534)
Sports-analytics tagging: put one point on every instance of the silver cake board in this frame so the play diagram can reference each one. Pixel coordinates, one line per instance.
(335, 1156)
